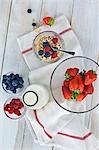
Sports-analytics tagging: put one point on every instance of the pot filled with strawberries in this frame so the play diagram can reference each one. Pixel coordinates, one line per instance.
(74, 84)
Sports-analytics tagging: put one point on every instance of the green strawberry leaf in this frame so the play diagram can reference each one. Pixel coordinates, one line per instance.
(94, 72)
(75, 93)
(51, 21)
(67, 76)
(83, 73)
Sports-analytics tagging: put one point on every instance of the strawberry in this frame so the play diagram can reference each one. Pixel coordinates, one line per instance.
(72, 71)
(48, 20)
(89, 89)
(66, 93)
(55, 40)
(73, 85)
(54, 55)
(17, 112)
(80, 83)
(90, 77)
(66, 82)
(80, 96)
(47, 49)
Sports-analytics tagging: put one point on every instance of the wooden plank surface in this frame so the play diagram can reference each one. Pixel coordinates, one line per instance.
(83, 16)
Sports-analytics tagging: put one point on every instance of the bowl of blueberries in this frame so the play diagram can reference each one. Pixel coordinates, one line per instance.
(12, 83)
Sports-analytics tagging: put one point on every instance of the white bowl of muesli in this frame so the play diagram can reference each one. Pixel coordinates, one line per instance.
(46, 45)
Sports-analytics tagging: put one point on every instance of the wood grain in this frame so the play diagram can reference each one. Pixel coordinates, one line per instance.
(83, 16)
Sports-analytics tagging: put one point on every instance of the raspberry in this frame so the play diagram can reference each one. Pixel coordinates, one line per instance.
(55, 40)
(10, 110)
(54, 55)
(21, 105)
(17, 112)
(47, 49)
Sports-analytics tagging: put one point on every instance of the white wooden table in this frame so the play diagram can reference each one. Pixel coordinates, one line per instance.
(14, 21)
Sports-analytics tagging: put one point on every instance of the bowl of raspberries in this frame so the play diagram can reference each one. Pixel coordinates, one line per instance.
(14, 108)
(74, 83)
(12, 83)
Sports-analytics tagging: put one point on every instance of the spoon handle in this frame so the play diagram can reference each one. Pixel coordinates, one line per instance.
(68, 52)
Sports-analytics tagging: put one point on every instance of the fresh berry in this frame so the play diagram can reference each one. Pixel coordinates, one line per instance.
(6, 107)
(34, 24)
(14, 82)
(17, 76)
(66, 83)
(47, 54)
(48, 20)
(10, 109)
(29, 10)
(66, 93)
(20, 86)
(73, 85)
(72, 71)
(45, 44)
(80, 83)
(17, 112)
(40, 52)
(54, 55)
(55, 40)
(90, 77)
(21, 105)
(47, 49)
(89, 89)
(80, 97)
(12, 76)
(20, 80)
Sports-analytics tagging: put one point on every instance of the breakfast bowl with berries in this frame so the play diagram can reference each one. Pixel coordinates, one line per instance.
(14, 108)
(74, 84)
(46, 45)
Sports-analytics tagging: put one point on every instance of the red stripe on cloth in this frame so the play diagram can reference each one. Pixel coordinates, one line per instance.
(64, 134)
(28, 50)
(76, 137)
(69, 29)
(37, 119)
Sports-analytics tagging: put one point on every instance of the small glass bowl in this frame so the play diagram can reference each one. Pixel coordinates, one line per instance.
(18, 90)
(13, 116)
(48, 33)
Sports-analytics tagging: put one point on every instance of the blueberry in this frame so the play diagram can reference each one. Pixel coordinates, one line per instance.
(40, 52)
(4, 76)
(20, 86)
(8, 87)
(14, 90)
(4, 80)
(33, 24)
(20, 80)
(12, 76)
(47, 54)
(8, 82)
(15, 82)
(29, 10)
(45, 44)
(17, 76)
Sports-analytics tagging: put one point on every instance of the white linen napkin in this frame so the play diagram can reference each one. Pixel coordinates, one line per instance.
(54, 126)
(61, 27)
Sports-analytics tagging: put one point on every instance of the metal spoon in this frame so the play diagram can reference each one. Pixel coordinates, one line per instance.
(68, 52)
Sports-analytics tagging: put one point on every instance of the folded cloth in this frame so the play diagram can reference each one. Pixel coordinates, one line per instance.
(54, 126)
(61, 27)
